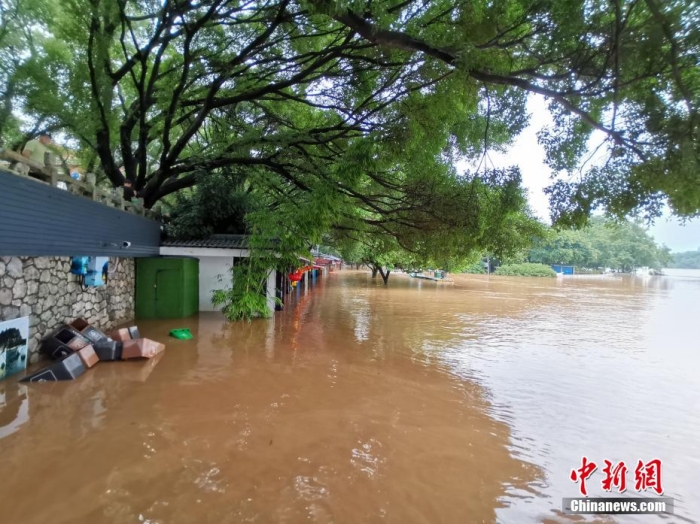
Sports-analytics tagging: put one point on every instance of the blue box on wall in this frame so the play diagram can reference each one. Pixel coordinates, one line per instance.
(78, 265)
(94, 279)
(96, 270)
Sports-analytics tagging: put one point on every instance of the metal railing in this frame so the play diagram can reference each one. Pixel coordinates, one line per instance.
(50, 174)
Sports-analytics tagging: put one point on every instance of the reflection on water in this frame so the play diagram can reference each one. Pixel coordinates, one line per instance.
(416, 402)
(14, 407)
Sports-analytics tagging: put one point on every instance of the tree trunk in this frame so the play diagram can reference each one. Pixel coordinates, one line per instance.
(385, 276)
(374, 272)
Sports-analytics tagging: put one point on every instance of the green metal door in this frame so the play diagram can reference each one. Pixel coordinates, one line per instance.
(169, 293)
(167, 287)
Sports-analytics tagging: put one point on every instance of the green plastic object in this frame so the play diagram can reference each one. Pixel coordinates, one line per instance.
(181, 334)
(167, 287)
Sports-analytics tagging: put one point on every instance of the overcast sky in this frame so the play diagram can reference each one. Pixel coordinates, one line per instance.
(529, 156)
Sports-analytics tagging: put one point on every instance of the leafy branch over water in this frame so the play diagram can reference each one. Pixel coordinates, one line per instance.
(311, 91)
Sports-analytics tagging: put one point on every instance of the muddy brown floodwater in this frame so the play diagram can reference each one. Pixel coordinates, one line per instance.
(412, 403)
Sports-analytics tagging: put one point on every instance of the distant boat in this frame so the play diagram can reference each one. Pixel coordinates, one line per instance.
(643, 272)
(427, 277)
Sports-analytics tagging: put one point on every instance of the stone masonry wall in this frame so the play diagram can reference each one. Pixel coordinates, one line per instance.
(44, 289)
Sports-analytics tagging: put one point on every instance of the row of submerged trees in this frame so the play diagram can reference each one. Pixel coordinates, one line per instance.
(621, 247)
(686, 260)
(617, 245)
(322, 120)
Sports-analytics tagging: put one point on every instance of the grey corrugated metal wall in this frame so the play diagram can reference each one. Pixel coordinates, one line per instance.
(40, 220)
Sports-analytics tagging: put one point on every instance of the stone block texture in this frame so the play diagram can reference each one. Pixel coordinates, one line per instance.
(44, 289)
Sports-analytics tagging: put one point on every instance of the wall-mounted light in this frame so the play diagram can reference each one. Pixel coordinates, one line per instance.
(125, 244)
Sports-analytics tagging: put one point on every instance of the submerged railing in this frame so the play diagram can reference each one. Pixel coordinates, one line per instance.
(50, 174)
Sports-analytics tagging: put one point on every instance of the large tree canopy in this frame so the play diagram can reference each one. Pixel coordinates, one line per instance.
(298, 88)
(349, 116)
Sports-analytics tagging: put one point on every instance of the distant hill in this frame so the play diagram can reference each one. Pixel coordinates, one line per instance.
(686, 260)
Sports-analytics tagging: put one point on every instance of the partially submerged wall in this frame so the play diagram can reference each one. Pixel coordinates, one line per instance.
(43, 289)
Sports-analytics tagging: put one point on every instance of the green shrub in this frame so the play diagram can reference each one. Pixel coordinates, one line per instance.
(476, 268)
(587, 271)
(526, 270)
(246, 298)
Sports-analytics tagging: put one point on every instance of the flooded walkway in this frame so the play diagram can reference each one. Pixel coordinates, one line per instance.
(420, 402)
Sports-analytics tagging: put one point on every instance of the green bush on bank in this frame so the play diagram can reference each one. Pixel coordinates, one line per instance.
(475, 268)
(526, 270)
(587, 271)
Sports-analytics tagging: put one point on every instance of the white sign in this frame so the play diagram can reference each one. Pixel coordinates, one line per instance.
(14, 346)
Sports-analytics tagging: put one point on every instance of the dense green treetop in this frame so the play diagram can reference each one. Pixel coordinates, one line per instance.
(167, 89)
(602, 244)
(217, 205)
(686, 260)
(22, 40)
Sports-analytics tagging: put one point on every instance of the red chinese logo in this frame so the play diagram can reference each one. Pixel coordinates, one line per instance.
(646, 476)
(615, 476)
(583, 473)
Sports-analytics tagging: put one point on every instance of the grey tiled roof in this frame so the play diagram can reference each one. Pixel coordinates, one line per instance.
(214, 241)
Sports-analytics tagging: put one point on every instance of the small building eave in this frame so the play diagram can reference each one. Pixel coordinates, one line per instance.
(203, 251)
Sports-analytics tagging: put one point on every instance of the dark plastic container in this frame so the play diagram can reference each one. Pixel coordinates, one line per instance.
(60, 351)
(91, 333)
(108, 349)
(94, 334)
(69, 368)
(63, 337)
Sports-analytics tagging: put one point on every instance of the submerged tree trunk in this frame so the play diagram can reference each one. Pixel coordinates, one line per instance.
(385, 275)
(374, 271)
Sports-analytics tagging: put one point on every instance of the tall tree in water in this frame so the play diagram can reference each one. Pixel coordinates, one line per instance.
(160, 91)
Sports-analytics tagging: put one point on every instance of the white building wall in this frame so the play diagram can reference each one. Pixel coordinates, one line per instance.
(271, 289)
(214, 273)
(215, 263)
